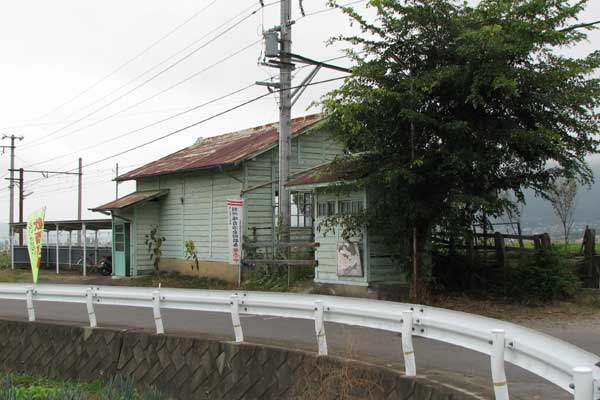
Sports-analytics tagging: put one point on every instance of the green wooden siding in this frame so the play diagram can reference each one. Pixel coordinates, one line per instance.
(326, 253)
(308, 150)
(171, 217)
(145, 217)
(260, 171)
(195, 209)
(196, 206)
(197, 212)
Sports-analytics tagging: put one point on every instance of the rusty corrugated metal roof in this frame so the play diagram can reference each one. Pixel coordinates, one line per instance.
(131, 199)
(220, 150)
(337, 171)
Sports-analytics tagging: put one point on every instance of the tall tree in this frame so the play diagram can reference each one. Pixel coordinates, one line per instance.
(453, 104)
(562, 196)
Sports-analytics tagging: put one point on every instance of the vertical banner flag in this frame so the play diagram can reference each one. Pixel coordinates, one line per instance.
(35, 230)
(234, 219)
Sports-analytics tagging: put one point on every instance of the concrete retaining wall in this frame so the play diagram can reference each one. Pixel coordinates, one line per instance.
(194, 368)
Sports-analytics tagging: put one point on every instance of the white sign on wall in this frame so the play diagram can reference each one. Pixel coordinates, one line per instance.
(349, 262)
(234, 222)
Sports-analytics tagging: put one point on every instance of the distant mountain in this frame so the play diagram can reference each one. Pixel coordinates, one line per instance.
(538, 215)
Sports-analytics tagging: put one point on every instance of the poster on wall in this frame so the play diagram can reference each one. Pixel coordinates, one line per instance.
(348, 256)
(234, 223)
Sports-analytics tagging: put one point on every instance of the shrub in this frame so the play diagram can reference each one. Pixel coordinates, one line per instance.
(544, 277)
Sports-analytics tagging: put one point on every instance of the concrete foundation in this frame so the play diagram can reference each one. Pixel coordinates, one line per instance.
(209, 269)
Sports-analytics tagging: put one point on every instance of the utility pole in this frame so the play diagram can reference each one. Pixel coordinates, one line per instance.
(278, 54)
(11, 212)
(285, 117)
(117, 182)
(80, 173)
(45, 174)
(21, 198)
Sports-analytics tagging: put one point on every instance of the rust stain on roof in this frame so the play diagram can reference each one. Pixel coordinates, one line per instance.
(131, 199)
(337, 171)
(220, 150)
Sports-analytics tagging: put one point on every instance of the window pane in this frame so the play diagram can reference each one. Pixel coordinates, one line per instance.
(308, 215)
(331, 208)
(357, 206)
(344, 207)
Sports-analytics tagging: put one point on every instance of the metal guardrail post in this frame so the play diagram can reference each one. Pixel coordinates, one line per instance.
(30, 309)
(160, 329)
(320, 328)
(497, 361)
(235, 319)
(410, 365)
(583, 381)
(89, 298)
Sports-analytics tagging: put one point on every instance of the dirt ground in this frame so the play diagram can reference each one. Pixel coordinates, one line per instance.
(584, 307)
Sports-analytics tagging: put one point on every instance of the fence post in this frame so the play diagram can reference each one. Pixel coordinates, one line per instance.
(156, 310)
(235, 319)
(320, 328)
(584, 383)
(407, 344)
(500, 249)
(30, 309)
(497, 361)
(89, 298)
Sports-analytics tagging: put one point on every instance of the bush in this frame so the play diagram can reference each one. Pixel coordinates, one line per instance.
(543, 277)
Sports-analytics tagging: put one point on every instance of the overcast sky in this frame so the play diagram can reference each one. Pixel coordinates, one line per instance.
(52, 51)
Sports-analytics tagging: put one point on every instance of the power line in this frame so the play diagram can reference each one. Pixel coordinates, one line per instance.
(245, 103)
(128, 133)
(164, 61)
(134, 58)
(203, 121)
(129, 115)
(194, 75)
(156, 75)
(88, 178)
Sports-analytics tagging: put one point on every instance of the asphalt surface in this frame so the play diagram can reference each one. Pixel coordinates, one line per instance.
(438, 361)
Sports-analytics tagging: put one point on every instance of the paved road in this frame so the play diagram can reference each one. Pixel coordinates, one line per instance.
(445, 363)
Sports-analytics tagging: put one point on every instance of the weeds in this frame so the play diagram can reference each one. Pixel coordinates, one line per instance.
(24, 387)
(176, 280)
(277, 278)
(339, 380)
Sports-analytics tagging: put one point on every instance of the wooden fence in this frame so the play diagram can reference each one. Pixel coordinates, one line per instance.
(482, 243)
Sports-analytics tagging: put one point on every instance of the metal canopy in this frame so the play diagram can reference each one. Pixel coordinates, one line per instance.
(131, 200)
(71, 225)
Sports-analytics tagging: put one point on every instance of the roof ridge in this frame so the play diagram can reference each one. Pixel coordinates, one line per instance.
(222, 149)
(249, 131)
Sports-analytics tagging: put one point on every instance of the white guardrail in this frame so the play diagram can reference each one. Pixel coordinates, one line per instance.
(571, 368)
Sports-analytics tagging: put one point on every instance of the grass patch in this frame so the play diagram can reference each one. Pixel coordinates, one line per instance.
(26, 387)
(276, 279)
(4, 259)
(175, 280)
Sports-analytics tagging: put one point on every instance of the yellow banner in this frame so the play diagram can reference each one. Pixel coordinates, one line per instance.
(35, 230)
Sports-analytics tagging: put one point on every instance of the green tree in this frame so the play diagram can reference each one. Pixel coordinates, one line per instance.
(563, 197)
(452, 106)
